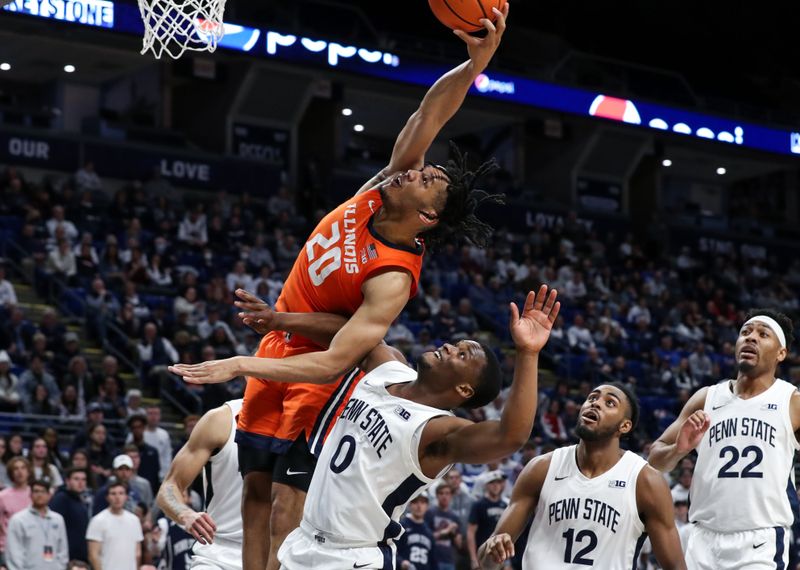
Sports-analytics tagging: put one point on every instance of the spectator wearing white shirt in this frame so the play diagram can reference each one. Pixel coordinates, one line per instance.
(189, 305)
(157, 274)
(87, 179)
(155, 354)
(9, 382)
(193, 230)
(580, 337)
(58, 220)
(399, 334)
(639, 311)
(700, 364)
(506, 265)
(259, 255)
(433, 298)
(159, 438)
(206, 328)
(575, 288)
(239, 278)
(268, 284)
(86, 240)
(115, 535)
(61, 260)
(680, 491)
(37, 536)
(8, 296)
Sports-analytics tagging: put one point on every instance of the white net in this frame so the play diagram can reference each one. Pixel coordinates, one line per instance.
(175, 26)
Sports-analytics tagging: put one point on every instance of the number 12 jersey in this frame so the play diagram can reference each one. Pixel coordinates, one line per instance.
(582, 522)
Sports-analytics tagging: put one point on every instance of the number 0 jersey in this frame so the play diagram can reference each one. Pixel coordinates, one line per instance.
(582, 522)
(369, 468)
(343, 251)
(744, 474)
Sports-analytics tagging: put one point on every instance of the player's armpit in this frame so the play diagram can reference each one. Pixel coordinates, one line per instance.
(655, 506)
(448, 439)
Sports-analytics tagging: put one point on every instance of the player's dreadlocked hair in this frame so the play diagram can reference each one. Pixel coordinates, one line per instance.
(458, 216)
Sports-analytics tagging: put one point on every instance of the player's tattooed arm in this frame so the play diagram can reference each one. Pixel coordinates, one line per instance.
(210, 433)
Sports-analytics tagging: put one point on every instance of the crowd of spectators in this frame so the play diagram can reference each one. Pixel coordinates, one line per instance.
(155, 272)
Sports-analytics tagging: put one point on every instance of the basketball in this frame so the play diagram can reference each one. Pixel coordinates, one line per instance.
(465, 14)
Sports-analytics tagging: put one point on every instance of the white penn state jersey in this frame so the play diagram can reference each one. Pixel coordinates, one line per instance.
(744, 472)
(582, 522)
(222, 485)
(369, 469)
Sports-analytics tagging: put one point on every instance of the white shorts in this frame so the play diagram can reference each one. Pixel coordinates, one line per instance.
(760, 549)
(300, 551)
(216, 557)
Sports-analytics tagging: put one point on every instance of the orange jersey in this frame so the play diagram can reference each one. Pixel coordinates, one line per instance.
(342, 252)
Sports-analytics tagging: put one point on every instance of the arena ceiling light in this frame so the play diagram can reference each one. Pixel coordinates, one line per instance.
(347, 111)
(5, 66)
(358, 128)
(666, 162)
(69, 68)
(721, 170)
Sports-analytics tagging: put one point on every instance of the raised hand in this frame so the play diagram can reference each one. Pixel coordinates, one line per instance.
(256, 314)
(210, 372)
(692, 431)
(531, 330)
(482, 49)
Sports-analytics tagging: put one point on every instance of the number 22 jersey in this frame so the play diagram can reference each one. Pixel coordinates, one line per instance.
(743, 476)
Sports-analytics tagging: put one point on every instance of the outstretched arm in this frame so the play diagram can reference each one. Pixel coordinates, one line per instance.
(655, 506)
(447, 440)
(683, 435)
(319, 327)
(385, 295)
(442, 101)
(210, 433)
(500, 546)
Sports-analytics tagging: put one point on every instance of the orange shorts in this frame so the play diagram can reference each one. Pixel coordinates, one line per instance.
(275, 414)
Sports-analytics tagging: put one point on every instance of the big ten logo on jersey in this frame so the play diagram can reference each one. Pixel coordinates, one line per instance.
(617, 484)
(402, 412)
(331, 259)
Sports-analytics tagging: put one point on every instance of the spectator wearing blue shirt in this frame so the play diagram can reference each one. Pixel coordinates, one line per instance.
(446, 528)
(416, 548)
(485, 514)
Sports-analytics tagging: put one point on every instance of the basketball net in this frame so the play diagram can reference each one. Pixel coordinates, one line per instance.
(175, 26)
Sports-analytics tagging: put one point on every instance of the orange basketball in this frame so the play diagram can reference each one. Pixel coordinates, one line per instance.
(465, 14)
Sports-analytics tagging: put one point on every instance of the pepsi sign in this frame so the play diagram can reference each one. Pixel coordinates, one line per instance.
(484, 84)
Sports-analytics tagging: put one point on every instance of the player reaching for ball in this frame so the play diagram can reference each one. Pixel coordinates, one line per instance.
(363, 260)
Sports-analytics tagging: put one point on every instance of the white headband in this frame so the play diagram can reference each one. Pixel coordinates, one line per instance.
(772, 324)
